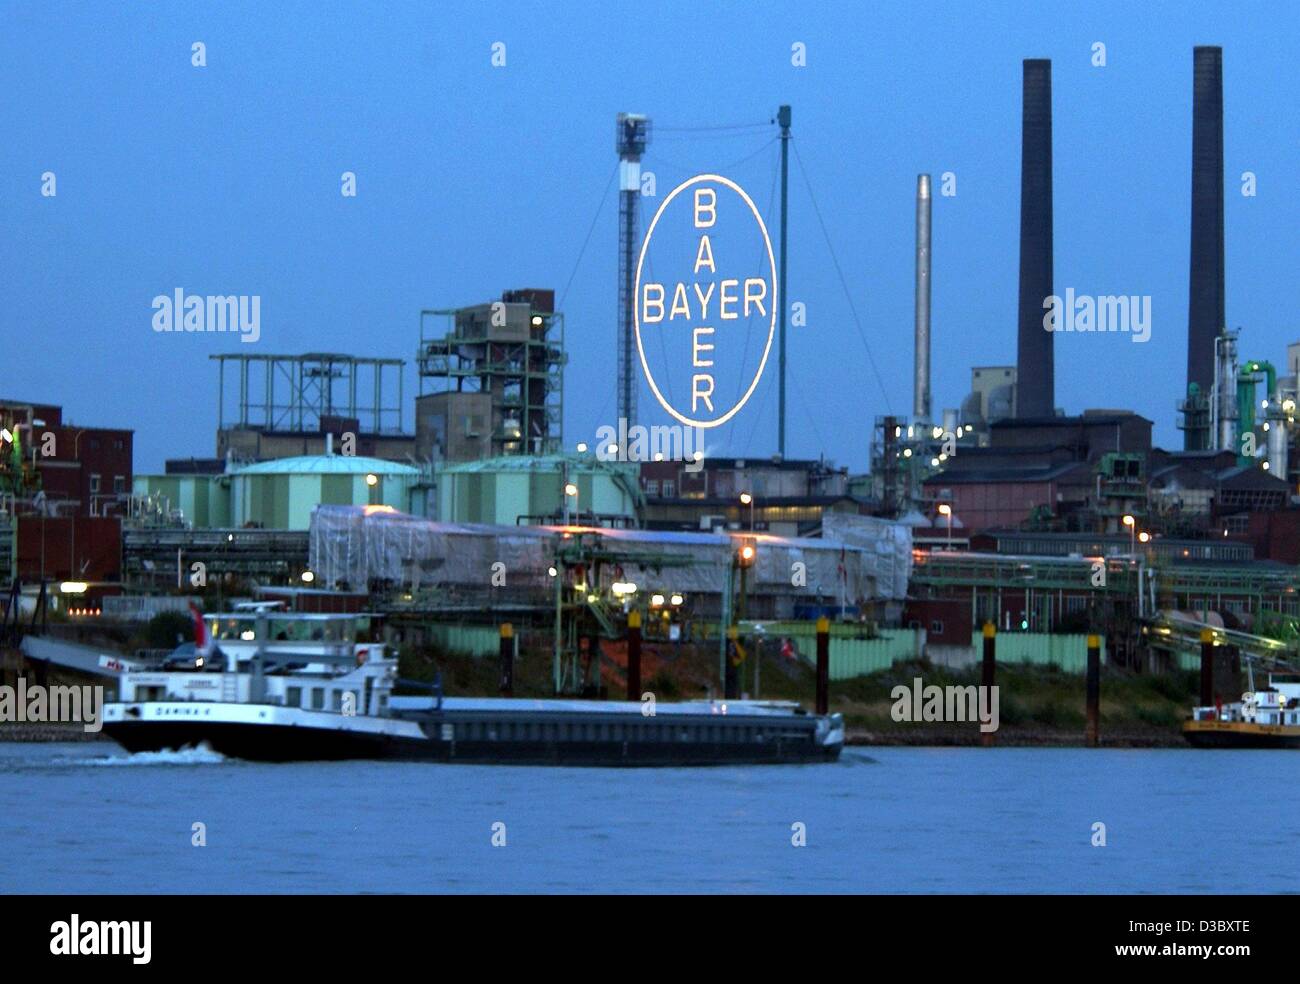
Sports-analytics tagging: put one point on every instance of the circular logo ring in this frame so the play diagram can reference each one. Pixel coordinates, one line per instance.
(636, 304)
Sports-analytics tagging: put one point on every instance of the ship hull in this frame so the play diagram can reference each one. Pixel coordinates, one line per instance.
(278, 736)
(1239, 734)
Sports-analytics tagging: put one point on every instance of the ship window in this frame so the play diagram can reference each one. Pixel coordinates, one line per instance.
(293, 696)
(317, 698)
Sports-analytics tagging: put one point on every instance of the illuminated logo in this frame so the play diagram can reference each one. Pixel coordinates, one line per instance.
(719, 322)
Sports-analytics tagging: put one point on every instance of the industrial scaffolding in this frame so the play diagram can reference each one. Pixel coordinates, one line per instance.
(298, 391)
(521, 370)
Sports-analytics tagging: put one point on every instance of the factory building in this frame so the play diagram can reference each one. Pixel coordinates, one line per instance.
(492, 379)
(82, 471)
(514, 490)
(1011, 460)
(198, 499)
(775, 495)
(278, 494)
(63, 491)
(1048, 471)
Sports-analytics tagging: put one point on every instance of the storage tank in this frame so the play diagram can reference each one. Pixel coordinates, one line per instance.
(281, 493)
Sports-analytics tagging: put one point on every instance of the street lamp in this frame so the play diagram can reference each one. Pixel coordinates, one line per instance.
(746, 499)
(946, 510)
(1131, 523)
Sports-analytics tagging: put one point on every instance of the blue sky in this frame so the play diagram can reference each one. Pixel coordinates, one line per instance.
(472, 179)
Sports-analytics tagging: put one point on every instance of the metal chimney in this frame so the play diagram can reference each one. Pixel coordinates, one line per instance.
(632, 133)
(1205, 305)
(921, 402)
(1035, 371)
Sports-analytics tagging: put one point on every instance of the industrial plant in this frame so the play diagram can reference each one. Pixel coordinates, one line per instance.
(450, 513)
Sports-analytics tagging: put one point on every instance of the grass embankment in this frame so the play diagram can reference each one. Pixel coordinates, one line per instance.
(1037, 705)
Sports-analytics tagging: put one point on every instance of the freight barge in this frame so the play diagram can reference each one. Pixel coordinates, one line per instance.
(275, 687)
(1261, 719)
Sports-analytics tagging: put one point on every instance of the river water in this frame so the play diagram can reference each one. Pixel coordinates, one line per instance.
(88, 818)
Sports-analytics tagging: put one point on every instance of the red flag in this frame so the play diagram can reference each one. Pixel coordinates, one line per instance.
(202, 644)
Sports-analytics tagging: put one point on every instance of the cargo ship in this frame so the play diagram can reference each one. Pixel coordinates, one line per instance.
(277, 687)
(1267, 718)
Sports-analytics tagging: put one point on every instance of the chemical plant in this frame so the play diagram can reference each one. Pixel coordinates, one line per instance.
(470, 506)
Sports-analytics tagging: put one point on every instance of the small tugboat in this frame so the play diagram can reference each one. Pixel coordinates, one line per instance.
(1261, 719)
(272, 686)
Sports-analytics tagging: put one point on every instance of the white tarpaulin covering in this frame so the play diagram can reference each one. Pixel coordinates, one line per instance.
(356, 546)
(888, 543)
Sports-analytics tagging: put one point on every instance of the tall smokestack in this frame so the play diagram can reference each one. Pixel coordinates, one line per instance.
(1035, 370)
(1205, 313)
(921, 402)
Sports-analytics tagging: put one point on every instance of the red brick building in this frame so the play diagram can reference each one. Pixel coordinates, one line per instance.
(68, 498)
(83, 471)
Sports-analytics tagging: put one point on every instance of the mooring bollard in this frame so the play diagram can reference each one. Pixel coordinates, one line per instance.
(823, 665)
(1093, 692)
(1207, 667)
(507, 659)
(634, 655)
(730, 685)
(990, 664)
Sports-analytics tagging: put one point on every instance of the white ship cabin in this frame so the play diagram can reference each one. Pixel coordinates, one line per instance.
(1278, 705)
(316, 662)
